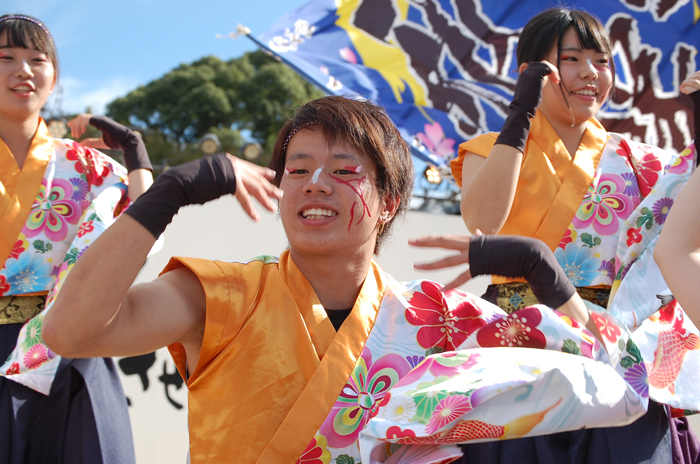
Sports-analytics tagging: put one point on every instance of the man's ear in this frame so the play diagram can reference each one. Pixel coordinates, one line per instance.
(391, 205)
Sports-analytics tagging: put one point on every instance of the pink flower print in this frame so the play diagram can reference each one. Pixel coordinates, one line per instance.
(634, 236)
(348, 55)
(518, 329)
(661, 209)
(683, 161)
(435, 141)
(85, 228)
(446, 320)
(359, 400)
(443, 365)
(36, 356)
(604, 205)
(448, 410)
(52, 211)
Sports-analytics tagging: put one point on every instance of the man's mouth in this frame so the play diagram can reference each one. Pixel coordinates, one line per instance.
(317, 213)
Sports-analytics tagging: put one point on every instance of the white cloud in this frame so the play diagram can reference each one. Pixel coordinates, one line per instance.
(76, 96)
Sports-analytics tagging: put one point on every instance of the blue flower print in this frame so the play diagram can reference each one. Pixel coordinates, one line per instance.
(28, 273)
(579, 264)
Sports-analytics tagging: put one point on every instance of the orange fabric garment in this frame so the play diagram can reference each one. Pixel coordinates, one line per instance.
(271, 365)
(18, 188)
(551, 185)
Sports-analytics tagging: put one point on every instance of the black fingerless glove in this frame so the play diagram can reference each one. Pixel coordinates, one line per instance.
(196, 182)
(526, 99)
(529, 258)
(696, 121)
(122, 138)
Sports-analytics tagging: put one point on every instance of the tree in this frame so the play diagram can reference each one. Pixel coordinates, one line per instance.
(253, 93)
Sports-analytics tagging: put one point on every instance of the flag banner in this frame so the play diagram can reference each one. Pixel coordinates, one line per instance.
(445, 70)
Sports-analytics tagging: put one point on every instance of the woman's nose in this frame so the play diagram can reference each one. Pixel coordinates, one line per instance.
(589, 69)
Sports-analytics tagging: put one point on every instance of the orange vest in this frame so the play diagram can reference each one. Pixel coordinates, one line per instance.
(271, 365)
(18, 188)
(551, 185)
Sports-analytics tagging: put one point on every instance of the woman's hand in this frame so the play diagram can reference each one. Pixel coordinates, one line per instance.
(459, 243)
(254, 180)
(78, 125)
(691, 84)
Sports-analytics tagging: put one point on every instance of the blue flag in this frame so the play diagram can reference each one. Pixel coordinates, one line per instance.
(445, 70)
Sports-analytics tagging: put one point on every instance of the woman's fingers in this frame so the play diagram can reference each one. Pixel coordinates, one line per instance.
(450, 242)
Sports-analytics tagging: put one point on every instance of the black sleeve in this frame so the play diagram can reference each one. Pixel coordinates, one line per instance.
(196, 182)
(696, 122)
(122, 138)
(529, 258)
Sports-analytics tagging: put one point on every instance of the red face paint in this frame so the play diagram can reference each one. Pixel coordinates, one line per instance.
(358, 191)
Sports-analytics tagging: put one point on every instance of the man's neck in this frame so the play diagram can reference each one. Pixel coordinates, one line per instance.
(337, 280)
(18, 136)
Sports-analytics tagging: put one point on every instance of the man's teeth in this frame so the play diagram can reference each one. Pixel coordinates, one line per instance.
(317, 213)
(590, 93)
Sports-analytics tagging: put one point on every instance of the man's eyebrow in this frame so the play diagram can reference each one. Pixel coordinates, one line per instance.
(346, 156)
(298, 156)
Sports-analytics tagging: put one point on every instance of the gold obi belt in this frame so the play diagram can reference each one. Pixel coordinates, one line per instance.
(19, 309)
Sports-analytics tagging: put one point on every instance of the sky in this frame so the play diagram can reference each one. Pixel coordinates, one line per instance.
(107, 48)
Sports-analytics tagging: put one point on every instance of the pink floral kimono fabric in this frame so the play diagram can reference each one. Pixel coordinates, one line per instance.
(536, 372)
(81, 194)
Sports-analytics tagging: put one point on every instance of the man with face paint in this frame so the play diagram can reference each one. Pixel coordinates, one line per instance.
(288, 359)
(267, 345)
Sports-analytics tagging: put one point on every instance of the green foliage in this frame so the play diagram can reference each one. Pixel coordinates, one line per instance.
(41, 246)
(570, 347)
(255, 93)
(646, 219)
(590, 241)
(345, 459)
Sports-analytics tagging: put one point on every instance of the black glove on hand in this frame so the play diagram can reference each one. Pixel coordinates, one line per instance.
(696, 121)
(526, 99)
(529, 258)
(122, 138)
(196, 182)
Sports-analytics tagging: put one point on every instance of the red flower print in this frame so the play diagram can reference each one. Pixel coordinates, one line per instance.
(606, 328)
(396, 432)
(4, 286)
(634, 236)
(85, 228)
(446, 320)
(515, 330)
(647, 170)
(316, 452)
(88, 162)
(14, 369)
(566, 239)
(17, 249)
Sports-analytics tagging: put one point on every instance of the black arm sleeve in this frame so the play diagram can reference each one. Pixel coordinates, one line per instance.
(696, 121)
(196, 182)
(529, 258)
(122, 138)
(526, 99)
